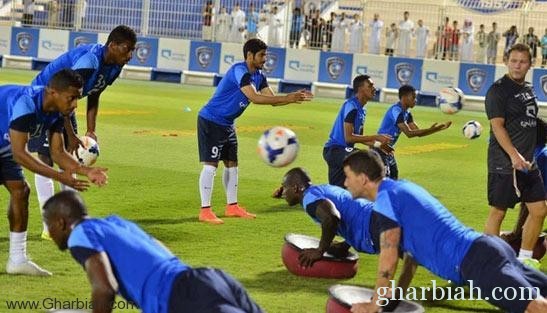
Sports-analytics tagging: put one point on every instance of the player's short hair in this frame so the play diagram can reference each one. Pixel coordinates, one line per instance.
(405, 90)
(253, 46)
(520, 47)
(66, 203)
(122, 34)
(366, 162)
(64, 79)
(298, 176)
(359, 81)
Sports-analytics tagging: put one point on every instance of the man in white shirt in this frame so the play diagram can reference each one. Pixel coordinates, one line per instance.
(275, 30)
(357, 31)
(238, 24)
(422, 33)
(339, 24)
(376, 26)
(406, 28)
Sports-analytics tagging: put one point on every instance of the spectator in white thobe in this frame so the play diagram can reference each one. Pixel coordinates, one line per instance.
(238, 24)
(406, 29)
(275, 28)
(356, 34)
(340, 24)
(422, 33)
(468, 32)
(376, 26)
(223, 23)
(480, 37)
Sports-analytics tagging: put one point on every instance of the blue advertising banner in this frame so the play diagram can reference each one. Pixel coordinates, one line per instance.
(539, 83)
(335, 67)
(275, 63)
(24, 41)
(475, 79)
(146, 52)
(80, 38)
(404, 71)
(204, 56)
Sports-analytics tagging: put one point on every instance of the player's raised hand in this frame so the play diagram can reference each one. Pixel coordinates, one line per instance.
(300, 95)
(446, 124)
(71, 181)
(97, 175)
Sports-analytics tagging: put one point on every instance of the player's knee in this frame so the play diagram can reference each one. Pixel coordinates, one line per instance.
(497, 214)
(537, 209)
(20, 192)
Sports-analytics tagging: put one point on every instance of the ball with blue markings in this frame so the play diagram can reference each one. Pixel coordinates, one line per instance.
(472, 129)
(278, 146)
(89, 152)
(450, 100)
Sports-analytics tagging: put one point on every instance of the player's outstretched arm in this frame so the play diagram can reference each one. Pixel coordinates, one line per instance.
(294, 97)
(91, 115)
(60, 156)
(387, 265)
(412, 130)
(103, 283)
(329, 217)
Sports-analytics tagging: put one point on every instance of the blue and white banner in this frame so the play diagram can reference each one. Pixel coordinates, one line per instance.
(230, 53)
(204, 56)
(52, 43)
(490, 6)
(372, 65)
(146, 52)
(438, 74)
(5, 39)
(475, 79)
(80, 38)
(275, 63)
(24, 41)
(539, 83)
(302, 65)
(404, 71)
(335, 67)
(173, 54)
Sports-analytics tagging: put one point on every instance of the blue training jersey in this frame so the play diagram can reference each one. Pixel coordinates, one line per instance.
(88, 61)
(540, 156)
(354, 214)
(228, 101)
(394, 115)
(430, 233)
(21, 110)
(144, 269)
(351, 112)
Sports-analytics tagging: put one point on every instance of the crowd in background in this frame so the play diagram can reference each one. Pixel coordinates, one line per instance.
(346, 33)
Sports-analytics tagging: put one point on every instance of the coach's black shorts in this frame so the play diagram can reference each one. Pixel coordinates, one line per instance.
(41, 144)
(9, 169)
(208, 290)
(492, 266)
(216, 142)
(503, 194)
(334, 156)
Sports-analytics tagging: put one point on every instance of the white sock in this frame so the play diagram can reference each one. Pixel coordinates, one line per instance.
(44, 190)
(229, 179)
(206, 181)
(18, 247)
(525, 254)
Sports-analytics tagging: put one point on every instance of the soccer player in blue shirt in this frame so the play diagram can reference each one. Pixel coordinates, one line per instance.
(348, 130)
(99, 65)
(414, 221)
(119, 257)
(25, 112)
(243, 83)
(399, 119)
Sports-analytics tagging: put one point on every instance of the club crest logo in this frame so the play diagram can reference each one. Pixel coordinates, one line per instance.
(142, 51)
(271, 63)
(81, 40)
(475, 78)
(543, 80)
(24, 41)
(404, 73)
(335, 67)
(204, 55)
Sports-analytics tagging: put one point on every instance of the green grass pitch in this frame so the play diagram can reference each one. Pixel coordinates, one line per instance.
(149, 145)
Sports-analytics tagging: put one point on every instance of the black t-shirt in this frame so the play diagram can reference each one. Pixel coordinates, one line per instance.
(517, 105)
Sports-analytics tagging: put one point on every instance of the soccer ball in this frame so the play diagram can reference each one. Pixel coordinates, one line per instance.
(87, 155)
(278, 146)
(450, 100)
(472, 129)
